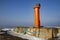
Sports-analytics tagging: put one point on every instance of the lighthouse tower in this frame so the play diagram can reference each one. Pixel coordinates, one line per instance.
(37, 15)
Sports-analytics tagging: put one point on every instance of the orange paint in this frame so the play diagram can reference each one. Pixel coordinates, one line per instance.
(36, 16)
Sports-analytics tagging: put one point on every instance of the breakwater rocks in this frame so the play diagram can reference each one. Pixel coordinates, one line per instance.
(5, 36)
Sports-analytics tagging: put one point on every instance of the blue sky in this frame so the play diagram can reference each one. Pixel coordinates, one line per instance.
(21, 12)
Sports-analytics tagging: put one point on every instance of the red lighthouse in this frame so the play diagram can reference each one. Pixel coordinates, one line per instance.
(37, 15)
